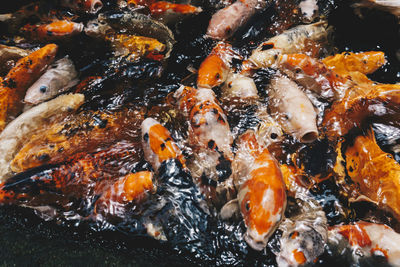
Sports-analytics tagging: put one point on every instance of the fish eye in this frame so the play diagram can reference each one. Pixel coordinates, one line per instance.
(43, 89)
(247, 206)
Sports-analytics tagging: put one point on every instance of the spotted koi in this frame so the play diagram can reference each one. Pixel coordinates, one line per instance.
(56, 30)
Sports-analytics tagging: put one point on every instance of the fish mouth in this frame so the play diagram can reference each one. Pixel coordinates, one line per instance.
(96, 6)
(309, 136)
(258, 244)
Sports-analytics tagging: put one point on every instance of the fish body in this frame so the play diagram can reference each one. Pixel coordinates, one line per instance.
(158, 145)
(9, 55)
(239, 86)
(261, 195)
(301, 39)
(56, 30)
(367, 240)
(135, 46)
(375, 173)
(133, 187)
(214, 70)
(20, 130)
(226, 21)
(21, 76)
(84, 131)
(171, 12)
(314, 75)
(59, 77)
(293, 109)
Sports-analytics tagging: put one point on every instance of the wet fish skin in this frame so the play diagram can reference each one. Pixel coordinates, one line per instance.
(293, 109)
(226, 21)
(59, 77)
(18, 80)
(20, 130)
(56, 30)
(87, 6)
(9, 55)
(261, 195)
(172, 12)
(158, 145)
(76, 133)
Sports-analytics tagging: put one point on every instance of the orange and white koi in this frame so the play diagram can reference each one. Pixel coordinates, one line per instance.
(215, 68)
(239, 86)
(293, 109)
(366, 239)
(225, 22)
(261, 197)
(170, 12)
(133, 187)
(314, 75)
(301, 39)
(87, 6)
(208, 122)
(56, 30)
(58, 78)
(24, 74)
(158, 145)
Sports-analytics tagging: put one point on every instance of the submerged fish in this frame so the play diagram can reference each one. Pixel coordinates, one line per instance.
(59, 77)
(20, 130)
(9, 55)
(301, 39)
(158, 145)
(226, 21)
(261, 196)
(87, 6)
(85, 131)
(374, 172)
(56, 30)
(391, 6)
(293, 109)
(24, 74)
(366, 241)
(172, 12)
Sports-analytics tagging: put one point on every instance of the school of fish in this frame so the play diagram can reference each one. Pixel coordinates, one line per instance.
(68, 159)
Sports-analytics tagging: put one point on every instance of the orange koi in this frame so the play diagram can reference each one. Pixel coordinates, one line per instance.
(88, 6)
(20, 78)
(214, 69)
(86, 84)
(133, 187)
(162, 7)
(368, 238)
(262, 195)
(158, 145)
(374, 172)
(55, 30)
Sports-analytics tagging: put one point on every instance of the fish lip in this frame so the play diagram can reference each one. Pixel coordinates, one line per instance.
(96, 6)
(256, 245)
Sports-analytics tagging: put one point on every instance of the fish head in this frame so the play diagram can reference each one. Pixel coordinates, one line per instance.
(98, 28)
(261, 203)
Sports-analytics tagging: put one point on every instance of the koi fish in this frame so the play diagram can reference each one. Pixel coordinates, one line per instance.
(62, 187)
(304, 235)
(214, 70)
(301, 39)
(56, 30)
(375, 100)
(374, 172)
(20, 130)
(133, 187)
(135, 46)
(261, 196)
(293, 109)
(87, 6)
(314, 75)
(82, 132)
(368, 239)
(21, 76)
(60, 76)
(226, 21)
(171, 12)
(309, 10)
(239, 86)
(9, 55)
(86, 84)
(158, 145)
(364, 62)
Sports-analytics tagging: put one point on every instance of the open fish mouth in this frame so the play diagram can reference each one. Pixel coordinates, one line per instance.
(200, 132)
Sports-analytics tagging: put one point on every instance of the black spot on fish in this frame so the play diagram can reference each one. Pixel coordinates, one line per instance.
(162, 146)
(146, 137)
(205, 180)
(211, 144)
(44, 157)
(10, 83)
(223, 169)
(267, 46)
